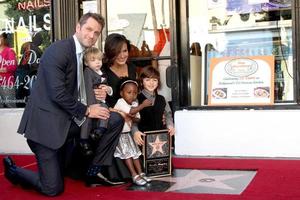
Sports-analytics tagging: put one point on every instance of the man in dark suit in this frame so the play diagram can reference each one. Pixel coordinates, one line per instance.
(54, 113)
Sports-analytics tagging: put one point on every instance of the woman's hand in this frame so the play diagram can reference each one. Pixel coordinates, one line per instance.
(100, 92)
(106, 88)
(137, 136)
(127, 117)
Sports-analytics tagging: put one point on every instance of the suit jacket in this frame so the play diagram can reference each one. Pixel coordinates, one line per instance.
(53, 102)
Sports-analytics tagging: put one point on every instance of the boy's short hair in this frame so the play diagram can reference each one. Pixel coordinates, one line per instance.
(149, 72)
(91, 53)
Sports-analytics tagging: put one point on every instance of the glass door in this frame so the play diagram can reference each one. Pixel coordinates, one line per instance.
(239, 29)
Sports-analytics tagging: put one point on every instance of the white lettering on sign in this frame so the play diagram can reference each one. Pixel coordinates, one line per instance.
(32, 25)
(4, 62)
(33, 58)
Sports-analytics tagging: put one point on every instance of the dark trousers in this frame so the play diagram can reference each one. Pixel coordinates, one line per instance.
(103, 150)
(106, 147)
(51, 163)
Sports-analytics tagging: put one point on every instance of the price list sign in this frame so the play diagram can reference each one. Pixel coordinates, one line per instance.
(241, 81)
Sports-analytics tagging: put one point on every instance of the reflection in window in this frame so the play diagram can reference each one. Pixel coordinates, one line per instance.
(146, 24)
(242, 28)
(28, 28)
(143, 22)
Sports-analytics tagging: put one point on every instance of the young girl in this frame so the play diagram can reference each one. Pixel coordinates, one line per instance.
(127, 150)
(159, 115)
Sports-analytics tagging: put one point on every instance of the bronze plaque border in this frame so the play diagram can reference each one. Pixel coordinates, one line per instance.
(157, 164)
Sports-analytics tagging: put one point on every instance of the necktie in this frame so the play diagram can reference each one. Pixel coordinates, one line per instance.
(82, 92)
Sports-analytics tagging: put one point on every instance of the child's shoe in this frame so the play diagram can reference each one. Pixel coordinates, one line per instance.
(147, 179)
(138, 180)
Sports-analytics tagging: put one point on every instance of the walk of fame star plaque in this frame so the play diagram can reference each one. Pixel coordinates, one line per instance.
(157, 153)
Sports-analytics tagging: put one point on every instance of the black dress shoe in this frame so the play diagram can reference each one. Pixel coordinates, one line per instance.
(97, 133)
(99, 179)
(95, 136)
(10, 170)
(86, 149)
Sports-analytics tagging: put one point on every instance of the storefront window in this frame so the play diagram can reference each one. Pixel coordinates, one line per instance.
(27, 26)
(246, 48)
(146, 23)
(143, 21)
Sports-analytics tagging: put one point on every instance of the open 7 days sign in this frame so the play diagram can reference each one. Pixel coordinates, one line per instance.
(241, 81)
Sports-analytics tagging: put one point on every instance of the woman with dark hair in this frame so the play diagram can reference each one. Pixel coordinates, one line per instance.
(8, 66)
(116, 65)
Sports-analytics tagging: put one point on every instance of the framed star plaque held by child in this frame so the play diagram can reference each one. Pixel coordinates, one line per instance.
(157, 153)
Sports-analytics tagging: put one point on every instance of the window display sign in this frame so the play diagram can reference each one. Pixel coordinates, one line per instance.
(248, 6)
(241, 81)
(27, 27)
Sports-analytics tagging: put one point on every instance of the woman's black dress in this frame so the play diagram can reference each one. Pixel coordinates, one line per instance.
(118, 171)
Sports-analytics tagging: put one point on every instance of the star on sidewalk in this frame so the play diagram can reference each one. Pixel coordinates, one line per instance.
(199, 178)
(157, 146)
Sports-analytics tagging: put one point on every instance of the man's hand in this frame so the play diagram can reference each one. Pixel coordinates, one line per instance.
(100, 92)
(97, 111)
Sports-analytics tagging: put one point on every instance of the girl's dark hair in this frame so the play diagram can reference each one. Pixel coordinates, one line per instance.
(113, 46)
(126, 80)
(149, 72)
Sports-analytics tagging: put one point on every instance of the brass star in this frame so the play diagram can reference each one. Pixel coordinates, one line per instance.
(157, 145)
